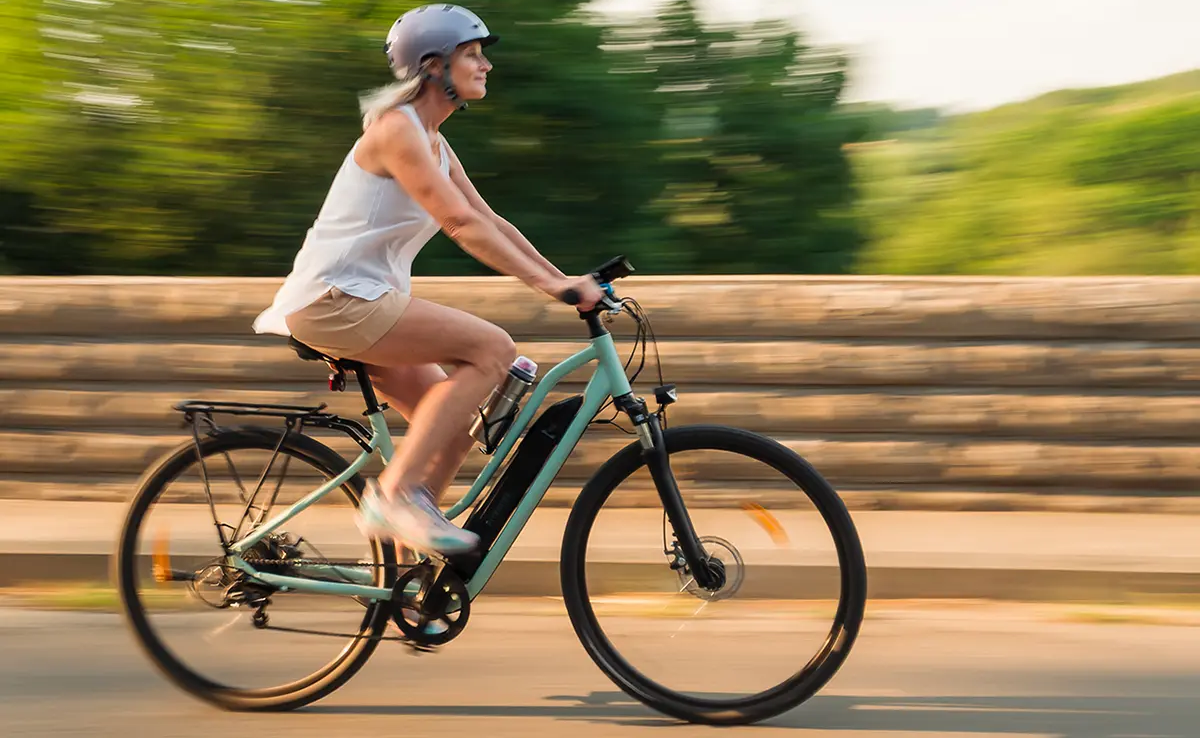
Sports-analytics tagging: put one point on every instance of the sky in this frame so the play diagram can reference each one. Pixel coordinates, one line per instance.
(965, 55)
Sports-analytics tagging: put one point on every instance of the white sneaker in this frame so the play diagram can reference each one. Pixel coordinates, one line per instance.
(413, 519)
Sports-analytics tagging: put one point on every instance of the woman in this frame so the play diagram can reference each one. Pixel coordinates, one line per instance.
(348, 292)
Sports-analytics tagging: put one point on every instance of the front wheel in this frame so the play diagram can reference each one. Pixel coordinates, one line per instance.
(791, 599)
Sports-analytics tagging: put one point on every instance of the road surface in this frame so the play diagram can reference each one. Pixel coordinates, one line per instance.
(921, 670)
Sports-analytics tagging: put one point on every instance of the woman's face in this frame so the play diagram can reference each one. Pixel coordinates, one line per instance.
(468, 71)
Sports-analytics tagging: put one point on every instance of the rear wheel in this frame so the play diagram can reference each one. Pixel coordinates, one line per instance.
(221, 637)
(793, 589)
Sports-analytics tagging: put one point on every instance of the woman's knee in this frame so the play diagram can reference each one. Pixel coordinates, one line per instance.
(431, 333)
(495, 353)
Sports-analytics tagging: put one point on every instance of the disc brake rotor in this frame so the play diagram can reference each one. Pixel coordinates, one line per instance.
(735, 571)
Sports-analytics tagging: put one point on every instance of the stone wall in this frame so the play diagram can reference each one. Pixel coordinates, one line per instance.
(904, 392)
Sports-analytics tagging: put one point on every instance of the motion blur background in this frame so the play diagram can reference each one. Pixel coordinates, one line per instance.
(1017, 437)
(695, 136)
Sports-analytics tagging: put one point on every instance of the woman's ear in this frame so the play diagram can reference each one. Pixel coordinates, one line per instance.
(432, 66)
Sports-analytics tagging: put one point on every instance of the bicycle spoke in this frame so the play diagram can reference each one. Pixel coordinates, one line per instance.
(685, 623)
(211, 635)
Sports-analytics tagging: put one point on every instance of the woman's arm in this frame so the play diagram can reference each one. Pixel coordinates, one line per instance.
(401, 149)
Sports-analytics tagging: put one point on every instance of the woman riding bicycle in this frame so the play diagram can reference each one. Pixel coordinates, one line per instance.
(348, 294)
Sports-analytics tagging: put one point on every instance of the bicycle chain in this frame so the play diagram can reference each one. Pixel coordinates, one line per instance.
(416, 647)
(323, 562)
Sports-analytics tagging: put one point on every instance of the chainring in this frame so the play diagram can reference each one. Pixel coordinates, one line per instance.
(430, 608)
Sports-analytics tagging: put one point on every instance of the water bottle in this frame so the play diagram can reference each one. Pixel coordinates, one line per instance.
(502, 402)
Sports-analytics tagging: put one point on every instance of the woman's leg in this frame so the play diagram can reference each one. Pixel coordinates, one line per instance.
(403, 387)
(480, 354)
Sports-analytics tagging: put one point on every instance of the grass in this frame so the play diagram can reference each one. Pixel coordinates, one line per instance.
(87, 597)
(1186, 613)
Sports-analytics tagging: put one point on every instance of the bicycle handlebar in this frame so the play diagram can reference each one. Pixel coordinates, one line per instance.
(605, 275)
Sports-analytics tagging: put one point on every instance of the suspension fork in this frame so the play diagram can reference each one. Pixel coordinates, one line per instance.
(707, 572)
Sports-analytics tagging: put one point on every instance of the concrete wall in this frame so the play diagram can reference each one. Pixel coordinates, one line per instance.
(922, 392)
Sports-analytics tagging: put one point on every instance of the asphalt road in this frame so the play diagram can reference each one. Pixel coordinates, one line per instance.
(918, 670)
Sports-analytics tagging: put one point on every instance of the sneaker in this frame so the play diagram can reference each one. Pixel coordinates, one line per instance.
(370, 518)
(414, 520)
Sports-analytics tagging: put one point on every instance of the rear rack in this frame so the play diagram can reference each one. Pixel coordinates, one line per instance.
(204, 407)
(295, 417)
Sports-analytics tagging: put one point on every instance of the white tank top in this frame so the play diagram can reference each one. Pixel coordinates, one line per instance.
(363, 241)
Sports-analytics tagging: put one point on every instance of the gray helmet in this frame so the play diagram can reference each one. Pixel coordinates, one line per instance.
(432, 30)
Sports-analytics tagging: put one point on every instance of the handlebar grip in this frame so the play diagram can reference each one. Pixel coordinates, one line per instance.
(570, 296)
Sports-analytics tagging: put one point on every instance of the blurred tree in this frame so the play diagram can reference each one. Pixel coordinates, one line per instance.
(751, 147)
(152, 136)
(29, 242)
(166, 135)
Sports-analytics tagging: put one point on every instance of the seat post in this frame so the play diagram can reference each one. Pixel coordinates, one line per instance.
(340, 367)
(368, 391)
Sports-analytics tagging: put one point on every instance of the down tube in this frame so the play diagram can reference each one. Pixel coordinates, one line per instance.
(598, 390)
(532, 405)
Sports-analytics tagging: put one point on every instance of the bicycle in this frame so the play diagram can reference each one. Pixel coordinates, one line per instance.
(428, 599)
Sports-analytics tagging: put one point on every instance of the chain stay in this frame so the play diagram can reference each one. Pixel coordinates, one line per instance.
(324, 562)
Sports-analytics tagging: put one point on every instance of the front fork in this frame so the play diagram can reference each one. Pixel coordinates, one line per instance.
(707, 571)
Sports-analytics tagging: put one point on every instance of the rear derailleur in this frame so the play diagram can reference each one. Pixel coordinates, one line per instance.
(254, 596)
(271, 554)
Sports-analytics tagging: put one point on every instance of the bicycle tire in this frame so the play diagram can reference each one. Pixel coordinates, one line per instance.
(283, 697)
(765, 704)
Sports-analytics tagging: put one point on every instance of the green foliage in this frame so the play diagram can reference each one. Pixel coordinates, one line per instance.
(1077, 182)
(153, 136)
(164, 137)
(752, 145)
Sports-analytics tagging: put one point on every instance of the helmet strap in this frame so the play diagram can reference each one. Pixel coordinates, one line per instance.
(448, 84)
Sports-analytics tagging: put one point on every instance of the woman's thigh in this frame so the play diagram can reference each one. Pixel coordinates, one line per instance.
(428, 333)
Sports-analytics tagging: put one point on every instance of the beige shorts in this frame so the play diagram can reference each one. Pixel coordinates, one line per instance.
(344, 326)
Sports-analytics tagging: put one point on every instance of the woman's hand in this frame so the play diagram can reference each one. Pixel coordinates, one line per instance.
(584, 288)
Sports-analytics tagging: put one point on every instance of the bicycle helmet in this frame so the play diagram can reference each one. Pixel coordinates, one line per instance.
(433, 30)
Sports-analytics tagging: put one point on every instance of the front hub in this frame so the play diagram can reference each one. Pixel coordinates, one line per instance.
(724, 565)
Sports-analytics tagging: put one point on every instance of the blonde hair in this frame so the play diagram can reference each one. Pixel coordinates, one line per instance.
(382, 99)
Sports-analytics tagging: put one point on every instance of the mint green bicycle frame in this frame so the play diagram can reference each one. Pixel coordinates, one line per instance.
(608, 381)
